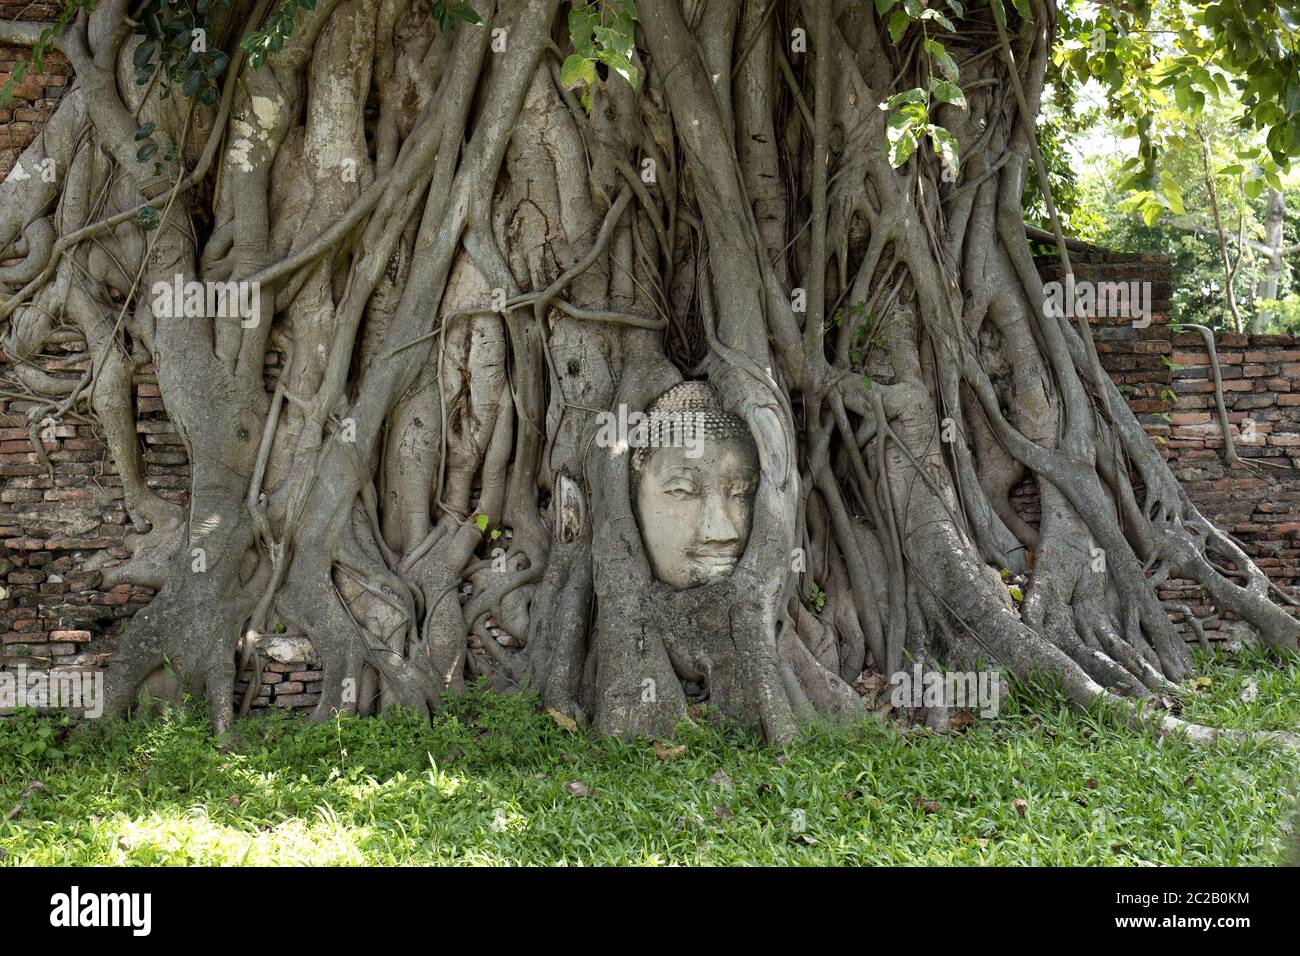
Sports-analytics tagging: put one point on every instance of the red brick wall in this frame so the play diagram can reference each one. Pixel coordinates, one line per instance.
(53, 612)
(1167, 380)
(38, 93)
(1260, 504)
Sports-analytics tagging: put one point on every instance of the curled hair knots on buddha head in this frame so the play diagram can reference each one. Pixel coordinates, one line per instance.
(681, 415)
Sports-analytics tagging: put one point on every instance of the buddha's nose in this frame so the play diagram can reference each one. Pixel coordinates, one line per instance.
(717, 526)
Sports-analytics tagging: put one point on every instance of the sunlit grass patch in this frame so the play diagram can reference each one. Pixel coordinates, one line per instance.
(493, 781)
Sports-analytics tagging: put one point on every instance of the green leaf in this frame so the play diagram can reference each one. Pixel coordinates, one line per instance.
(945, 144)
(914, 95)
(900, 133)
(577, 71)
(938, 18)
(898, 24)
(218, 65)
(143, 54)
(883, 5)
(480, 521)
(947, 65)
(947, 92)
(1171, 193)
(1151, 210)
(1022, 8)
(616, 39)
(583, 20)
(144, 132)
(902, 149)
(620, 64)
(145, 151)
(467, 13)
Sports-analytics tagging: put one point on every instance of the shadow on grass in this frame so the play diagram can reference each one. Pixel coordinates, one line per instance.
(492, 780)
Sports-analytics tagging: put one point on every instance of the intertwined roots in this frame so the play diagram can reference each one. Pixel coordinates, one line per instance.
(460, 262)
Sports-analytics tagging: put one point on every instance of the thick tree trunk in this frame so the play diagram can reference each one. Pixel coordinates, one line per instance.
(469, 269)
(1266, 288)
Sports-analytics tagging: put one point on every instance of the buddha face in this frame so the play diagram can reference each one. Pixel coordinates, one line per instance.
(695, 512)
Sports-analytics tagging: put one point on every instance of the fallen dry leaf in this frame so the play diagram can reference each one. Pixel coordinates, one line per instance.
(722, 812)
(1021, 805)
(667, 753)
(568, 723)
(960, 720)
(929, 806)
(869, 682)
(578, 789)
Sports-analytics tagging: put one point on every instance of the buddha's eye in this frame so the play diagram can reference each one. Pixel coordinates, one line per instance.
(681, 489)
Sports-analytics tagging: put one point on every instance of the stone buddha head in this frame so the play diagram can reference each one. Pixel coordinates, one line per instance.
(694, 474)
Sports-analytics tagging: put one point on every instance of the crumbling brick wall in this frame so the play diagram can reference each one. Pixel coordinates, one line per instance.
(35, 97)
(1164, 372)
(1259, 504)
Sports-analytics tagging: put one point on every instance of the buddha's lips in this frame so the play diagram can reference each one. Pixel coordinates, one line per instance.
(714, 561)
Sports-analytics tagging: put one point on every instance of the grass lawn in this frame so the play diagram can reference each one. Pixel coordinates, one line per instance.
(493, 781)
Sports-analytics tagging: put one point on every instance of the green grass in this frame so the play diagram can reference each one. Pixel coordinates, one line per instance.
(489, 783)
